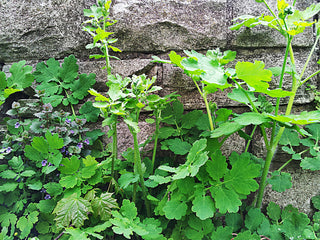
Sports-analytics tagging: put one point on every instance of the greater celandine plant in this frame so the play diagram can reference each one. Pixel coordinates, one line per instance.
(209, 75)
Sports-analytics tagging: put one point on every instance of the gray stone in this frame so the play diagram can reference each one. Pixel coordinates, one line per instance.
(153, 25)
(305, 185)
(40, 29)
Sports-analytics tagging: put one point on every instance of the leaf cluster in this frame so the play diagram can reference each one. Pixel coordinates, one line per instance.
(62, 84)
(96, 26)
(21, 78)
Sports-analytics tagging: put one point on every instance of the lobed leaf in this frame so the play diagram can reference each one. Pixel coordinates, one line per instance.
(226, 200)
(102, 206)
(72, 210)
(301, 119)
(280, 181)
(21, 76)
(204, 207)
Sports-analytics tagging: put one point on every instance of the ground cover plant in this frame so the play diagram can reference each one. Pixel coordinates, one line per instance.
(58, 180)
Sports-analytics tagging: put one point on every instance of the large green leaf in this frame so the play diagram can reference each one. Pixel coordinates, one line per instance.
(3, 80)
(241, 177)
(217, 167)
(40, 144)
(226, 129)
(47, 72)
(103, 205)
(301, 119)
(249, 118)
(81, 86)
(311, 163)
(21, 76)
(239, 95)
(54, 141)
(72, 210)
(210, 70)
(69, 69)
(257, 77)
(226, 200)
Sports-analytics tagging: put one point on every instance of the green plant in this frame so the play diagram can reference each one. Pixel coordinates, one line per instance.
(250, 78)
(57, 181)
(20, 79)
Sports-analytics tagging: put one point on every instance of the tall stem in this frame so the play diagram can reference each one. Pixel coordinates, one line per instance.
(274, 143)
(156, 136)
(263, 182)
(114, 147)
(138, 168)
(208, 111)
(106, 51)
(204, 96)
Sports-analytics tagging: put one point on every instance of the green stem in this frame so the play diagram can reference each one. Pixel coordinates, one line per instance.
(106, 52)
(208, 111)
(251, 136)
(274, 143)
(156, 136)
(308, 78)
(263, 181)
(294, 3)
(273, 14)
(254, 108)
(284, 165)
(138, 168)
(114, 147)
(204, 96)
(309, 57)
(282, 72)
(72, 109)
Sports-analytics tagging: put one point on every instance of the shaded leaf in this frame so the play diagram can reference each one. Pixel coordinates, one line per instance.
(72, 210)
(280, 181)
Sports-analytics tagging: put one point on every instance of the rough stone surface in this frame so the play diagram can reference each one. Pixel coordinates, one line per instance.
(153, 25)
(305, 185)
(40, 29)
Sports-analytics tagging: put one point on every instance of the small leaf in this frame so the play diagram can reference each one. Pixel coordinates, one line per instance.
(69, 166)
(8, 174)
(253, 219)
(8, 187)
(177, 146)
(239, 95)
(69, 181)
(316, 201)
(175, 209)
(280, 181)
(311, 163)
(222, 233)
(274, 211)
(204, 207)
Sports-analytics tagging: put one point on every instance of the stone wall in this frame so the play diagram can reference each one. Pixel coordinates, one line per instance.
(36, 30)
